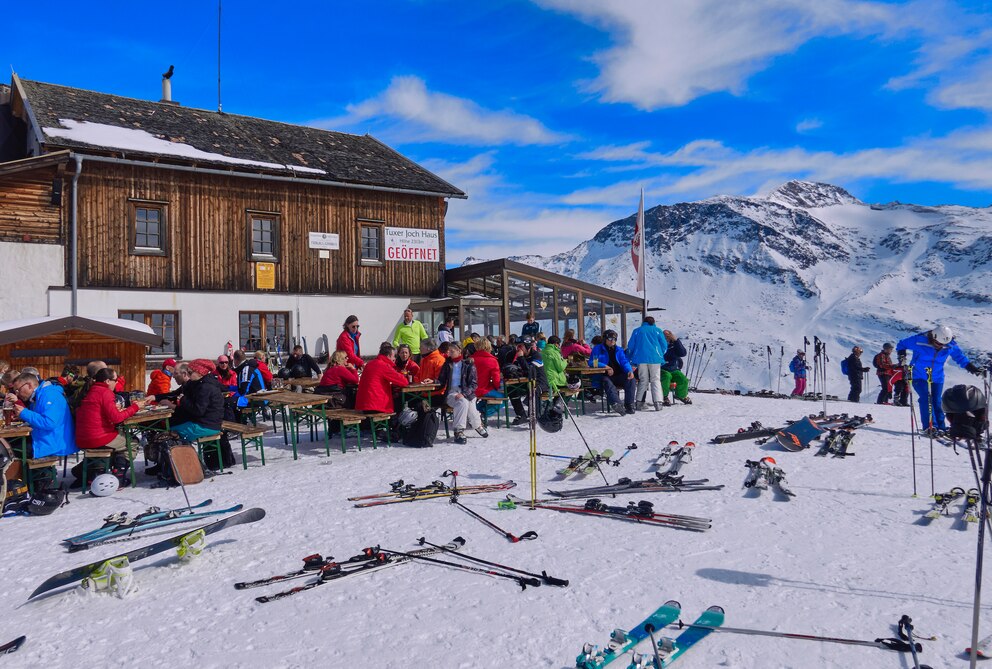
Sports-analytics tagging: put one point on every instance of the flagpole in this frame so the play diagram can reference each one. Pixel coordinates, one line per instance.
(642, 260)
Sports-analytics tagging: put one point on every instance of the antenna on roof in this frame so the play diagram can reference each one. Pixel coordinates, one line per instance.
(220, 108)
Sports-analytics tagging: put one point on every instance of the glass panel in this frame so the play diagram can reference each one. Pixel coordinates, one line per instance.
(592, 317)
(370, 243)
(613, 315)
(544, 307)
(494, 286)
(633, 319)
(457, 288)
(483, 320)
(152, 215)
(568, 313)
(519, 302)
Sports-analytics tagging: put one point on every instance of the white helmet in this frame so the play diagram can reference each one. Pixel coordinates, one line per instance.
(942, 334)
(104, 485)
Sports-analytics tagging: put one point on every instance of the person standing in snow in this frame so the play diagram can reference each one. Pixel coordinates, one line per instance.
(855, 373)
(798, 368)
(930, 351)
(646, 350)
(671, 371)
(883, 364)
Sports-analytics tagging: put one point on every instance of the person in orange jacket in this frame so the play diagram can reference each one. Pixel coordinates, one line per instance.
(161, 382)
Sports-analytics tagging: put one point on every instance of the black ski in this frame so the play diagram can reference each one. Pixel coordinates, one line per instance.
(311, 565)
(12, 646)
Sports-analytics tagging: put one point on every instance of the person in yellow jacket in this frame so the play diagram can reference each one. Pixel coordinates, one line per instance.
(409, 332)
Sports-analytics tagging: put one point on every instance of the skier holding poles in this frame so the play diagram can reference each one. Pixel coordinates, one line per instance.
(799, 368)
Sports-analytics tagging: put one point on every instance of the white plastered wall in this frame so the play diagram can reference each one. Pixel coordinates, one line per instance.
(28, 271)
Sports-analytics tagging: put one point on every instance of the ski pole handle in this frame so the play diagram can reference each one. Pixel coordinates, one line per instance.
(524, 582)
(527, 536)
(551, 580)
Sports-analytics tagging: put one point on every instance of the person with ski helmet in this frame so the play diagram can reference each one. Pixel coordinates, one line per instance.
(798, 368)
(855, 373)
(884, 370)
(930, 352)
(671, 371)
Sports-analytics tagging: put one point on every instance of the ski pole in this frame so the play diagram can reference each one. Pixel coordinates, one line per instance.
(906, 633)
(823, 378)
(930, 421)
(509, 535)
(890, 644)
(616, 463)
(592, 455)
(912, 420)
(548, 580)
(768, 355)
(781, 356)
(560, 457)
(705, 366)
(522, 581)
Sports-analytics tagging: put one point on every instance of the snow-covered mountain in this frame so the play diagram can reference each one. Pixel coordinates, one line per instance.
(743, 273)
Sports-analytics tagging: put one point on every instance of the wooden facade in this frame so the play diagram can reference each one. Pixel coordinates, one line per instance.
(27, 213)
(206, 231)
(51, 352)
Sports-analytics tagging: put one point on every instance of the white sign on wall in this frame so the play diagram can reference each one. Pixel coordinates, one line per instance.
(412, 244)
(329, 241)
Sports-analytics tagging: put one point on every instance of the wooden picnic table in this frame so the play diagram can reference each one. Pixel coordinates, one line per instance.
(307, 406)
(422, 390)
(146, 420)
(583, 370)
(305, 383)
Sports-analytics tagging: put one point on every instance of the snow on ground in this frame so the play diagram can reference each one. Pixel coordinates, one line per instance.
(845, 557)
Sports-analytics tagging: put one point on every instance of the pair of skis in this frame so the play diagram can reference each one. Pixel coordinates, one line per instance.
(943, 500)
(663, 652)
(837, 444)
(765, 473)
(78, 574)
(586, 464)
(640, 512)
(625, 486)
(435, 490)
(121, 527)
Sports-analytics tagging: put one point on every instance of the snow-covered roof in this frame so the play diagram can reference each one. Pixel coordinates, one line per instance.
(78, 119)
(18, 330)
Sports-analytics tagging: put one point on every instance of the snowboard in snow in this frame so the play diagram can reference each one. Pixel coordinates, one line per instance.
(77, 574)
(797, 436)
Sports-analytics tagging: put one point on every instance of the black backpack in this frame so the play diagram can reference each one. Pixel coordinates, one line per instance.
(423, 432)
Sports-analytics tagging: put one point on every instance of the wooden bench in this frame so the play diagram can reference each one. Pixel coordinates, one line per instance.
(500, 402)
(249, 434)
(100, 455)
(570, 394)
(213, 441)
(349, 418)
(48, 467)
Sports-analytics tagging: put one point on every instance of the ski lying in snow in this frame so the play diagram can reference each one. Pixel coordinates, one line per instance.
(622, 641)
(338, 571)
(756, 430)
(941, 501)
(971, 500)
(585, 464)
(681, 457)
(121, 520)
(401, 489)
(12, 646)
(311, 565)
(132, 532)
(461, 490)
(664, 456)
(626, 486)
(666, 651)
(638, 512)
(983, 650)
(764, 473)
(79, 573)
(837, 444)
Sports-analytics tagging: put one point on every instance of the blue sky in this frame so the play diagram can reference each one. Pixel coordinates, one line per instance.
(551, 114)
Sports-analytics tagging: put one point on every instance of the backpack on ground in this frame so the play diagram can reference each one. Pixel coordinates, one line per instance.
(423, 432)
(844, 366)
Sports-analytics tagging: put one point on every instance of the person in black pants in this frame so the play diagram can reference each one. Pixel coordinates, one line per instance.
(855, 374)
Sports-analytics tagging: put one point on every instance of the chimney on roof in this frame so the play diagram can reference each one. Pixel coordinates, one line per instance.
(167, 87)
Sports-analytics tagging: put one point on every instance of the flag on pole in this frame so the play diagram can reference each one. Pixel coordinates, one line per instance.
(637, 245)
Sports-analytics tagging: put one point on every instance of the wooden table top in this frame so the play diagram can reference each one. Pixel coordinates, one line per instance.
(304, 382)
(291, 399)
(16, 430)
(420, 387)
(585, 370)
(149, 416)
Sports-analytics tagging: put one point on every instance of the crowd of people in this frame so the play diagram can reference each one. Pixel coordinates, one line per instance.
(922, 374)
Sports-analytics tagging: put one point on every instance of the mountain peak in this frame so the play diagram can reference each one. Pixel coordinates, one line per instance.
(811, 195)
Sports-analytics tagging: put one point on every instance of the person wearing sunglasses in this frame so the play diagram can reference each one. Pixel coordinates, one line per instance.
(617, 373)
(47, 412)
(225, 374)
(349, 341)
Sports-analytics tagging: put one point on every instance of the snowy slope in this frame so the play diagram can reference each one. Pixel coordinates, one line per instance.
(843, 558)
(809, 259)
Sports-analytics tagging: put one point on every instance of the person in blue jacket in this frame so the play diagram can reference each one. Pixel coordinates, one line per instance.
(646, 351)
(798, 368)
(930, 352)
(617, 373)
(47, 412)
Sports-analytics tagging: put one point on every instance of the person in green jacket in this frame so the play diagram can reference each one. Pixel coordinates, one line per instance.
(409, 332)
(554, 364)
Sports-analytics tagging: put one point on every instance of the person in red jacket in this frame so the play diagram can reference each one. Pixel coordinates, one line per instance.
(487, 368)
(339, 372)
(405, 364)
(161, 382)
(375, 387)
(263, 368)
(348, 341)
(228, 378)
(97, 417)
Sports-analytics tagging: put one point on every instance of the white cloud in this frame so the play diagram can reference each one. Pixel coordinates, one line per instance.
(500, 220)
(808, 125)
(670, 52)
(962, 159)
(431, 116)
